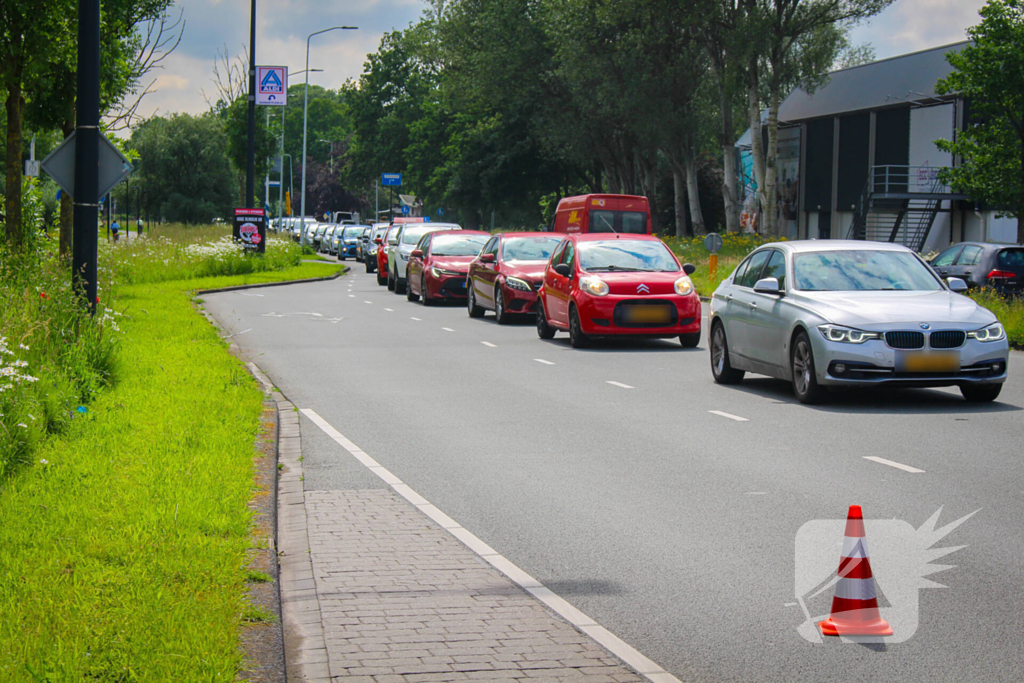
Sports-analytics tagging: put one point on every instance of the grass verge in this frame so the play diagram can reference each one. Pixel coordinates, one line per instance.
(123, 552)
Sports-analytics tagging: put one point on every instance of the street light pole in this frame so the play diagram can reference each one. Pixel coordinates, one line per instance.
(305, 112)
(250, 159)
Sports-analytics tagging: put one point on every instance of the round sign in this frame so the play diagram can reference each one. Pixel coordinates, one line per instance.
(440, 211)
(713, 242)
(249, 233)
(405, 210)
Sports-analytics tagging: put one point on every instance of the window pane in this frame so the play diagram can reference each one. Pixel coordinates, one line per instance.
(753, 272)
(862, 270)
(948, 257)
(1011, 258)
(969, 256)
(776, 268)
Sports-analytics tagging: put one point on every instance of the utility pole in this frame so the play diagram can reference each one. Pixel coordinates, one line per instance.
(250, 161)
(85, 248)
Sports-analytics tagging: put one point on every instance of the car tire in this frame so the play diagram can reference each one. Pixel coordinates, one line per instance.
(721, 370)
(500, 314)
(577, 338)
(980, 393)
(409, 296)
(544, 331)
(369, 268)
(340, 257)
(690, 340)
(381, 278)
(474, 310)
(423, 291)
(391, 281)
(805, 378)
(400, 285)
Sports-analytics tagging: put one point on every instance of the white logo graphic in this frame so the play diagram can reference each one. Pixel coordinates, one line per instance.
(643, 289)
(900, 558)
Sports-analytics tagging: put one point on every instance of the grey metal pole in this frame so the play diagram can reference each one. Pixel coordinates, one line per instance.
(280, 176)
(85, 248)
(250, 159)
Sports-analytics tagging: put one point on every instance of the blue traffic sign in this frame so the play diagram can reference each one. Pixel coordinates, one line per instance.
(392, 179)
(440, 211)
(405, 210)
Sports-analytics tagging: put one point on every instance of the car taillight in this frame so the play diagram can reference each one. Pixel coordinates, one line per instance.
(1000, 275)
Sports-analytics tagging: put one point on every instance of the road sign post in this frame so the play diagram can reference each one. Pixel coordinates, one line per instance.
(713, 243)
(85, 159)
(391, 181)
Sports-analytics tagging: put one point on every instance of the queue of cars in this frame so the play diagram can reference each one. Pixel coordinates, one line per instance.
(818, 314)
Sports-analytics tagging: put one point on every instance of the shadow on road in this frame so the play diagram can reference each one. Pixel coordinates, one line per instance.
(586, 587)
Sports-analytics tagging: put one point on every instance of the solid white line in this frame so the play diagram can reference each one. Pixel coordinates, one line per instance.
(620, 384)
(731, 417)
(897, 465)
(351, 296)
(447, 329)
(415, 318)
(493, 346)
(545, 362)
(602, 636)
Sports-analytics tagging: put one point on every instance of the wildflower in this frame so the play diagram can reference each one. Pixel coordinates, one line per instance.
(42, 295)
(23, 346)
(23, 425)
(44, 462)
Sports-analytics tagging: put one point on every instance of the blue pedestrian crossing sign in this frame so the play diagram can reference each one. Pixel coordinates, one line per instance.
(272, 85)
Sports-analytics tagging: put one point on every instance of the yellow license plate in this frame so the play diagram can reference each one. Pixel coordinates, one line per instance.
(934, 361)
(647, 314)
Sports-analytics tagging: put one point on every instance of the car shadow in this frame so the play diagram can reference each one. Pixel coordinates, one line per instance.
(872, 400)
(627, 345)
(585, 587)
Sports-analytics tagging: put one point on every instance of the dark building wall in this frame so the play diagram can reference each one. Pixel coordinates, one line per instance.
(854, 144)
(818, 183)
(892, 141)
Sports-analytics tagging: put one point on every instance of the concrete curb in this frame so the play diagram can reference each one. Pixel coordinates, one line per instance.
(260, 285)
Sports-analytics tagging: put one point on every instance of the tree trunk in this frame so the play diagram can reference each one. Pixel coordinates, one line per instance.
(679, 185)
(771, 208)
(730, 178)
(67, 204)
(696, 215)
(756, 146)
(12, 194)
(649, 177)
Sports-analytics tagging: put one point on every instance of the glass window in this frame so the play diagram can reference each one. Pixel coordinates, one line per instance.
(776, 268)
(528, 248)
(618, 255)
(412, 233)
(491, 247)
(353, 233)
(556, 257)
(753, 272)
(424, 243)
(862, 270)
(948, 257)
(457, 245)
(568, 254)
(969, 256)
(393, 236)
(737, 277)
(1010, 258)
(633, 222)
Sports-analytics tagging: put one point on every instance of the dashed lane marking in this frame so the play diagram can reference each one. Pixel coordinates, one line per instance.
(447, 329)
(545, 362)
(897, 465)
(620, 384)
(412, 317)
(493, 346)
(729, 415)
(390, 310)
(367, 302)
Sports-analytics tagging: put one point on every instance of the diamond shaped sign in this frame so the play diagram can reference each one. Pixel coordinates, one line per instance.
(113, 166)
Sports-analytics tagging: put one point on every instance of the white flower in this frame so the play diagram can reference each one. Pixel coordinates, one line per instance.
(22, 346)
(44, 462)
(23, 425)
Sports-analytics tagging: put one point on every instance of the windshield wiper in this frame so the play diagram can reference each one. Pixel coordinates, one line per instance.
(624, 269)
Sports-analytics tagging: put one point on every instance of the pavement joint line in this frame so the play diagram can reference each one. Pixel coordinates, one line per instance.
(489, 344)
(545, 362)
(897, 465)
(730, 416)
(599, 634)
(620, 384)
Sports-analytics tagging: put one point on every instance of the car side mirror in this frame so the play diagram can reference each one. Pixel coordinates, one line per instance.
(768, 285)
(563, 269)
(416, 253)
(487, 258)
(957, 285)
(689, 268)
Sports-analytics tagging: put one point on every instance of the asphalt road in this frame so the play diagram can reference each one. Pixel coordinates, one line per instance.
(604, 474)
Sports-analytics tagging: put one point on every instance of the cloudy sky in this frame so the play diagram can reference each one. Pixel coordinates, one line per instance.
(283, 25)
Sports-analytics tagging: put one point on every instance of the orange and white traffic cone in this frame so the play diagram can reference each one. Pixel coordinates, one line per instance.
(854, 605)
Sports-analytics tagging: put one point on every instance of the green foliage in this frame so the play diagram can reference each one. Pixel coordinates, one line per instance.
(1010, 313)
(989, 74)
(266, 143)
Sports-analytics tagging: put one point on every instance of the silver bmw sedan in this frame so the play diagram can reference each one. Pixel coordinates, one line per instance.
(852, 313)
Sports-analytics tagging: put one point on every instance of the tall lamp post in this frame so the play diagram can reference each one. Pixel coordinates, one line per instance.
(305, 113)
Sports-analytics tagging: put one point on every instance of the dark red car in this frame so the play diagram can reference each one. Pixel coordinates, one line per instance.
(386, 243)
(508, 272)
(438, 265)
(605, 285)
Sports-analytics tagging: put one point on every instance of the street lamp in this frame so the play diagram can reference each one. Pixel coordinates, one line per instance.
(331, 143)
(305, 112)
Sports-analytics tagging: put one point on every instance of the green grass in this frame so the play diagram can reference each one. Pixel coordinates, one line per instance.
(1010, 313)
(123, 547)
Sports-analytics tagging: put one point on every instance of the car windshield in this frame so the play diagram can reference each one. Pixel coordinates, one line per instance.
(862, 270)
(529, 248)
(648, 256)
(352, 233)
(413, 233)
(457, 245)
(379, 234)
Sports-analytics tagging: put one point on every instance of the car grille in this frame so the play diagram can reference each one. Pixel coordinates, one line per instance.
(947, 339)
(905, 340)
(453, 287)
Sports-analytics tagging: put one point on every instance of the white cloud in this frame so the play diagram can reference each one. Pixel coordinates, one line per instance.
(911, 25)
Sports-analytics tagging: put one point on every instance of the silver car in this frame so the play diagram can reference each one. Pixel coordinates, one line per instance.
(844, 313)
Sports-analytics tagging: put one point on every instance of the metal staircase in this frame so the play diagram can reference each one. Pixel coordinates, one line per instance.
(899, 204)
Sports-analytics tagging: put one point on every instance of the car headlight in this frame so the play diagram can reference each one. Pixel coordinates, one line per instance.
(594, 285)
(441, 272)
(373, 251)
(404, 257)
(684, 286)
(847, 335)
(523, 285)
(988, 334)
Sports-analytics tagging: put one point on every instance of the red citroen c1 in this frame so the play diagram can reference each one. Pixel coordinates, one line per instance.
(599, 285)
(437, 266)
(508, 272)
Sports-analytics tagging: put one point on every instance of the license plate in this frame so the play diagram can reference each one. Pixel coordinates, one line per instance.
(933, 361)
(647, 314)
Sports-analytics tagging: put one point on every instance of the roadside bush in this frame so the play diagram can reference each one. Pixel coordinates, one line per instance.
(735, 247)
(1009, 311)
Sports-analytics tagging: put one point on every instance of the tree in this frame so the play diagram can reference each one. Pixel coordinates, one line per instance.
(989, 74)
(268, 135)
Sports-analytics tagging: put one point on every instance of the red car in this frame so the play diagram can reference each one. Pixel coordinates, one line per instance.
(383, 245)
(437, 266)
(605, 285)
(508, 272)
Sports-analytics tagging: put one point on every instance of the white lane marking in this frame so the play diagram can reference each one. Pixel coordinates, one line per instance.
(728, 415)
(351, 296)
(415, 318)
(447, 329)
(237, 334)
(367, 302)
(493, 346)
(545, 362)
(390, 310)
(890, 463)
(757, 493)
(620, 384)
(602, 636)
(250, 294)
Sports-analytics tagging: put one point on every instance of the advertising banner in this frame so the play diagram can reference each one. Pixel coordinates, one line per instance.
(250, 229)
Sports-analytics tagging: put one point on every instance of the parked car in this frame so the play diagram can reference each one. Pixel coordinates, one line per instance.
(618, 213)
(982, 264)
(439, 264)
(389, 240)
(372, 245)
(366, 244)
(615, 285)
(506, 275)
(406, 240)
(327, 240)
(348, 236)
(850, 313)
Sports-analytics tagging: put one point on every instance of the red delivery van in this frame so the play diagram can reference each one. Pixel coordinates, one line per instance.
(621, 213)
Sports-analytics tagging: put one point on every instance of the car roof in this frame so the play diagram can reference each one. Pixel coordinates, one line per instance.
(806, 246)
(609, 236)
(530, 233)
(437, 233)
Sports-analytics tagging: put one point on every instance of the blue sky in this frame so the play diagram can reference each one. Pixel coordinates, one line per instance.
(907, 26)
